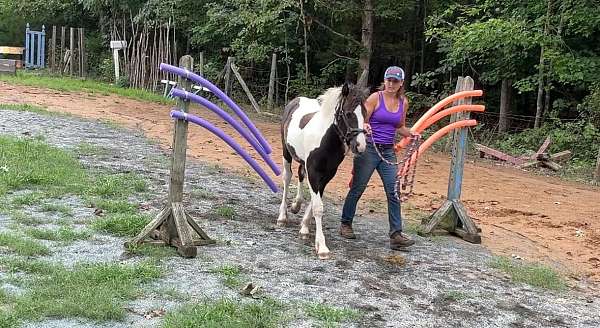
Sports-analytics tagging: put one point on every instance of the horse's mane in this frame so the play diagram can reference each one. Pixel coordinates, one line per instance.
(329, 99)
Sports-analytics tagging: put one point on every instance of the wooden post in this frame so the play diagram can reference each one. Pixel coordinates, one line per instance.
(27, 46)
(201, 68)
(82, 53)
(53, 60)
(452, 213)
(172, 225)
(72, 49)
(245, 87)
(272, 80)
(228, 75)
(453, 117)
(597, 172)
(61, 59)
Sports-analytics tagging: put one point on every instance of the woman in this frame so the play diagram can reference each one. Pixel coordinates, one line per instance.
(386, 114)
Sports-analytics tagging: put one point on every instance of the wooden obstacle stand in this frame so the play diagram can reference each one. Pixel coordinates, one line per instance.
(541, 157)
(172, 226)
(452, 215)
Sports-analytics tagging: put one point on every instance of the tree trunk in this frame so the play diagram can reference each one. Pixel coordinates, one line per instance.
(540, 95)
(367, 43)
(305, 41)
(505, 94)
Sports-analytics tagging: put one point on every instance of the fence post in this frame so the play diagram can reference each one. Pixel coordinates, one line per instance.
(53, 60)
(61, 59)
(228, 75)
(42, 47)
(245, 87)
(72, 49)
(201, 68)
(27, 46)
(272, 80)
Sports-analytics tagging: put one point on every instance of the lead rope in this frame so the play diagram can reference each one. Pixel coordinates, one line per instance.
(407, 180)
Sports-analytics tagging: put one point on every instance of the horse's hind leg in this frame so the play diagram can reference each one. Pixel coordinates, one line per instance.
(297, 204)
(287, 177)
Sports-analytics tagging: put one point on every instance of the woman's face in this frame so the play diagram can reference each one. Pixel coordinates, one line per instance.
(392, 85)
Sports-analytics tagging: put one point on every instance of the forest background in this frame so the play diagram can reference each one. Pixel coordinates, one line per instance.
(538, 61)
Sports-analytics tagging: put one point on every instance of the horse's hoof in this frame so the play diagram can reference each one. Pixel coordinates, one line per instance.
(304, 236)
(281, 223)
(323, 256)
(296, 207)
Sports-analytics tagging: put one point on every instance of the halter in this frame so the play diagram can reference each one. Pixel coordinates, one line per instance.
(350, 133)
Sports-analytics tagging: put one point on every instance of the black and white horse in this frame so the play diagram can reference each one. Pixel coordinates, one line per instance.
(317, 134)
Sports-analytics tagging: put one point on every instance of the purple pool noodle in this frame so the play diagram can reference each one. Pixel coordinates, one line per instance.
(207, 125)
(204, 82)
(223, 114)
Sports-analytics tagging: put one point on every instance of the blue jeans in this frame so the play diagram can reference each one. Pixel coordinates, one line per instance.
(364, 165)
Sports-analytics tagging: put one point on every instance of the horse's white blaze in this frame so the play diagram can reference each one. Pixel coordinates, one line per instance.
(361, 140)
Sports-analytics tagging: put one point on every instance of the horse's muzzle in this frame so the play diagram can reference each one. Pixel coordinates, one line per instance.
(358, 144)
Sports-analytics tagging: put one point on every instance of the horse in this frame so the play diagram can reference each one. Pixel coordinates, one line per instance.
(317, 134)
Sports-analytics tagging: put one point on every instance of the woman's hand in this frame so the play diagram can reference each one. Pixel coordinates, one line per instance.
(367, 128)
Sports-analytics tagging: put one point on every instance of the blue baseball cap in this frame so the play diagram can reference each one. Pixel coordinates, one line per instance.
(394, 72)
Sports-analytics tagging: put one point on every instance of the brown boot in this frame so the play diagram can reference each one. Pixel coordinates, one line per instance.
(399, 241)
(346, 231)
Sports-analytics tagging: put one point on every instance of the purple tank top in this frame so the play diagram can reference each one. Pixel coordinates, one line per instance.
(384, 123)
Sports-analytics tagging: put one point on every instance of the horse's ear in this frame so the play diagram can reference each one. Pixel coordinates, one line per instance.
(345, 89)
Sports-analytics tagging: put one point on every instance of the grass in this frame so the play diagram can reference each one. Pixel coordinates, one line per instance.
(93, 291)
(57, 208)
(203, 194)
(454, 295)
(329, 315)
(231, 275)
(22, 246)
(24, 163)
(113, 205)
(117, 185)
(226, 212)
(122, 224)
(29, 198)
(62, 234)
(23, 218)
(30, 266)
(76, 85)
(88, 149)
(534, 274)
(227, 313)
(27, 108)
(172, 294)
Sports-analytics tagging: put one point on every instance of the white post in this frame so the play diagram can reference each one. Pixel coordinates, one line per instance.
(116, 60)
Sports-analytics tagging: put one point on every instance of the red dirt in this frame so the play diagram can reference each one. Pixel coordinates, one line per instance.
(537, 218)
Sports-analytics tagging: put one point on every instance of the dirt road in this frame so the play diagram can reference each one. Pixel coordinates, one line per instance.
(536, 218)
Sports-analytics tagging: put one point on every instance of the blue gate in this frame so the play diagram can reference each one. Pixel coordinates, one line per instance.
(35, 45)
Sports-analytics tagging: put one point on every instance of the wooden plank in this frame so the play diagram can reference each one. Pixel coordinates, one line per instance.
(198, 230)
(72, 49)
(11, 50)
(498, 154)
(62, 49)
(467, 229)
(183, 229)
(228, 75)
(245, 87)
(459, 148)
(543, 148)
(150, 227)
(563, 155)
(8, 66)
(438, 216)
(53, 58)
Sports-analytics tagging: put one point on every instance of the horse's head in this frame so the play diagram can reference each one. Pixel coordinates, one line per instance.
(350, 115)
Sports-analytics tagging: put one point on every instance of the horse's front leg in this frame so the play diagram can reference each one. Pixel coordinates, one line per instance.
(298, 200)
(317, 211)
(287, 177)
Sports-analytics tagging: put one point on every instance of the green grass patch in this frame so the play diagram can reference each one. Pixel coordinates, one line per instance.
(8, 319)
(24, 218)
(122, 224)
(22, 246)
(76, 85)
(117, 185)
(88, 149)
(226, 212)
(173, 294)
(534, 274)
(25, 163)
(227, 313)
(454, 295)
(329, 315)
(113, 205)
(231, 275)
(62, 234)
(27, 108)
(93, 291)
(203, 194)
(32, 266)
(28, 198)
(57, 208)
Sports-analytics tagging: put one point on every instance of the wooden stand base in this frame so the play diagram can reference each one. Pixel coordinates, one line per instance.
(172, 227)
(452, 216)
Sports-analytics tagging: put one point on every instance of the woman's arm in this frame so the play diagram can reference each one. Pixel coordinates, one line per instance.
(370, 105)
(402, 129)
